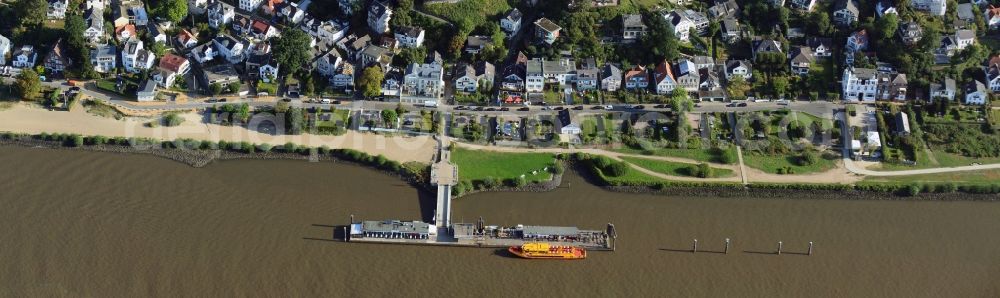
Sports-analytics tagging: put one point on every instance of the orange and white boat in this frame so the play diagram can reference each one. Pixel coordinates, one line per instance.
(537, 250)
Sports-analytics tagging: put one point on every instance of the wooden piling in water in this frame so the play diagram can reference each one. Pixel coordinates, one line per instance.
(347, 237)
(727, 247)
(810, 248)
(694, 247)
(779, 248)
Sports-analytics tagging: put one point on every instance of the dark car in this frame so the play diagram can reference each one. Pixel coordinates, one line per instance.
(660, 106)
(478, 109)
(336, 102)
(211, 100)
(730, 105)
(559, 108)
(639, 107)
(490, 109)
(524, 109)
(222, 100)
(742, 104)
(578, 108)
(459, 108)
(597, 108)
(505, 109)
(407, 122)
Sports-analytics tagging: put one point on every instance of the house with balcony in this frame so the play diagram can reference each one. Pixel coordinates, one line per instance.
(546, 31)
(104, 58)
(663, 78)
(378, 17)
(410, 37)
(423, 81)
(632, 27)
(845, 12)
(636, 78)
(859, 84)
(511, 22)
(24, 57)
(472, 77)
(611, 77)
(801, 59)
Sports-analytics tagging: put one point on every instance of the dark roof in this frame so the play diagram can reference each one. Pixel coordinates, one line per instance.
(547, 25)
(850, 5)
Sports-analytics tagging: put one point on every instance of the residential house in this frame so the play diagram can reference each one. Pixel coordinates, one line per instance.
(24, 57)
(220, 14)
(511, 22)
(391, 84)
(708, 80)
(934, 7)
(271, 7)
(327, 63)
(129, 12)
(222, 74)
(146, 91)
(261, 67)
(378, 17)
(730, 30)
(892, 86)
(822, 48)
(468, 76)
(241, 25)
(175, 63)
(740, 68)
(703, 62)
(163, 78)
(724, 9)
(611, 77)
(951, 44)
(476, 43)
(410, 37)
(686, 75)
(856, 42)
(57, 9)
(94, 20)
(327, 32)
(993, 73)
(534, 76)
(803, 5)
(636, 78)
(766, 46)
(5, 48)
(910, 33)
(186, 39)
(203, 53)
(229, 47)
(587, 75)
(966, 17)
(156, 33)
(884, 7)
(250, 5)
(343, 78)
(976, 93)
(125, 33)
(632, 27)
(663, 78)
(195, 7)
(57, 60)
(135, 58)
(353, 44)
(514, 73)
(373, 54)
(944, 90)
(845, 12)
(684, 21)
(560, 72)
(801, 59)
(992, 15)
(546, 31)
(104, 58)
(566, 125)
(262, 30)
(859, 84)
(423, 80)
(291, 13)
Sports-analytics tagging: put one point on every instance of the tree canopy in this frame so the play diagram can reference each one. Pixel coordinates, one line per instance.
(171, 10)
(291, 50)
(371, 81)
(659, 42)
(31, 12)
(29, 85)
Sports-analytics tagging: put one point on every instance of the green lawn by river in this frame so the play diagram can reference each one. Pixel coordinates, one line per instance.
(479, 164)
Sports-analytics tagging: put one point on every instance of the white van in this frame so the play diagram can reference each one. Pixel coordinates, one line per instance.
(326, 101)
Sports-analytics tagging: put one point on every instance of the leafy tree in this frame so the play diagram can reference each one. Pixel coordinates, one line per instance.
(408, 56)
(738, 87)
(659, 42)
(886, 26)
(243, 113)
(29, 85)
(780, 85)
(296, 120)
(215, 88)
(234, 87)
(389, 118)
(370, 81)
(31, 12)
(171, 10)
(291, 50)
(820, 24)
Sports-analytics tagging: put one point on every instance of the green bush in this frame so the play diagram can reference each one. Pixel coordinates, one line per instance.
(264, 147)
(616, 169)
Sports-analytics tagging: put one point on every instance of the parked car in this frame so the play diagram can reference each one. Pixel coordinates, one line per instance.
(639, 107)
(524, 109)
(578, 108)
(660, 106)
(459, 108)
(597, 108)
(608, 107)
(505, 109)
(490, 109)
(559, 108)
(742, 104)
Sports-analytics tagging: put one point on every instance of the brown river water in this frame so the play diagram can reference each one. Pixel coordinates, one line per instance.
(102, 225)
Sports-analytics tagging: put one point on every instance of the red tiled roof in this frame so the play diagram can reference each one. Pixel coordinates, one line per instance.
(260, 27)
(635, 71)
(663, 71)
(172, 62)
